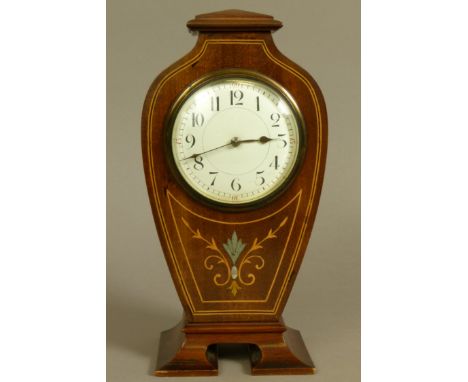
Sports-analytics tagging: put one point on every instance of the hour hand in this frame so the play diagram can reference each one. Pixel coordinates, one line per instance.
(263, 139)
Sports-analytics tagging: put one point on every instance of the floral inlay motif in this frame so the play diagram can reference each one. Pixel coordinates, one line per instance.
(234, 258)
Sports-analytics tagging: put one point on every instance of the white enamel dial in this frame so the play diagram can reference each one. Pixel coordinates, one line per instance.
(236, 140)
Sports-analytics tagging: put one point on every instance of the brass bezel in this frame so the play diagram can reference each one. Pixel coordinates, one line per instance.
(233, 74)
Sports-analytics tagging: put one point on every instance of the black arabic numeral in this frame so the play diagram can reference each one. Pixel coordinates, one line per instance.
(198, 165)
(260, 178)
(215, 173)
(275, 117)
(275, 163)
(190, 139)
(197, 119)
(285, 142)
(214, 104)
(236, 97)
(235, 185)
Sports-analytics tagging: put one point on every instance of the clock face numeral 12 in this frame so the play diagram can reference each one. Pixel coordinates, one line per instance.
(236, 139)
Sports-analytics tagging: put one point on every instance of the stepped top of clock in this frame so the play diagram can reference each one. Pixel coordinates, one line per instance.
(234, 20)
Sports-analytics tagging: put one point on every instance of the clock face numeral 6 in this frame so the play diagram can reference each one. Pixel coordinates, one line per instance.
(235, 185)
(236, 140)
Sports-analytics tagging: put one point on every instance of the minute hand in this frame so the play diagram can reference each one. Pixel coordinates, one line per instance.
(207, 151)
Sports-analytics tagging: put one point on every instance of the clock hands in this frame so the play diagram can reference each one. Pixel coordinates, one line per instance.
(234, 143)
(207, 151)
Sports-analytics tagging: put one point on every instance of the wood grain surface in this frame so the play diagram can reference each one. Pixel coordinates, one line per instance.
(248, 309)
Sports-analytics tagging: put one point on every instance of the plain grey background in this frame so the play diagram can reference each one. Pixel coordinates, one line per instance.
(144, 37)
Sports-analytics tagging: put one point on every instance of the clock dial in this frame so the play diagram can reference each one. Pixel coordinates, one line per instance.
(236, 140)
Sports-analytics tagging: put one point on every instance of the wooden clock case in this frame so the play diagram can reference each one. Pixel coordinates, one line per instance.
(233, 270)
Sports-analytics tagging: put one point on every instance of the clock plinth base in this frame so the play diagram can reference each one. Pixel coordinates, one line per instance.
(181, 355)
(281, 353)
(191, 349)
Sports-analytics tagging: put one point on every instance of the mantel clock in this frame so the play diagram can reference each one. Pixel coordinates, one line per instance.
(234, 146)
